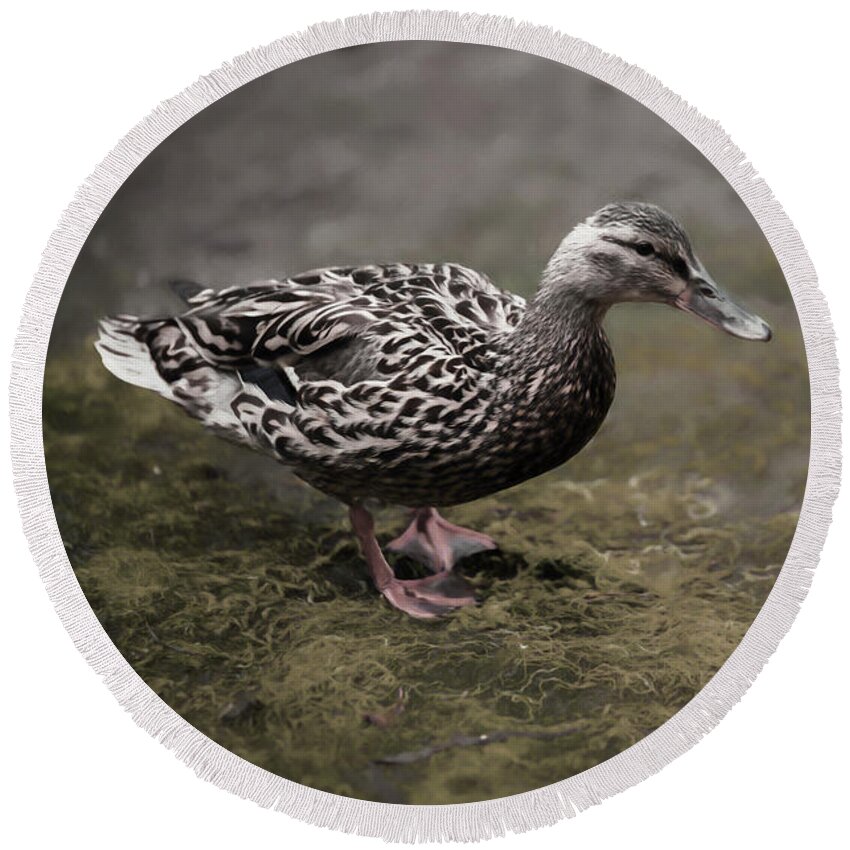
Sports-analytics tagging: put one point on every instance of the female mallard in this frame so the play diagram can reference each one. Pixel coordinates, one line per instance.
(416, 384)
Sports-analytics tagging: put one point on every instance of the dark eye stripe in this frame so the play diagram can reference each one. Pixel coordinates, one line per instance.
(677, 263)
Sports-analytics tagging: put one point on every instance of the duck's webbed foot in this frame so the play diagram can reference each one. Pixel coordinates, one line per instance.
(428, 597)
(438, 543)
(424, 598)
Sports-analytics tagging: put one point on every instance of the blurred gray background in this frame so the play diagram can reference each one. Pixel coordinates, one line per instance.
(423, 151)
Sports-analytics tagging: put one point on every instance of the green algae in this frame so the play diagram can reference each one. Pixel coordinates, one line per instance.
(624, 580)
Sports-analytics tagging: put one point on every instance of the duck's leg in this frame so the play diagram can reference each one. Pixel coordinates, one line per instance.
(438, 543)
(424, 598)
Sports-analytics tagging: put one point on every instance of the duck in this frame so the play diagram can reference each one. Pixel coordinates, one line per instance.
(422, 385)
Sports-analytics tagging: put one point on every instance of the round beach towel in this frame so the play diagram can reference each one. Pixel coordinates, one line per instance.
(413, 422)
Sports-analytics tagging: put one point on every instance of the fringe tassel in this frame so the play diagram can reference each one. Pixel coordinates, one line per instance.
(471, 821)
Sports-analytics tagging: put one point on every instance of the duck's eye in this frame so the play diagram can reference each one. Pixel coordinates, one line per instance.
(680, 267)
(645, 249)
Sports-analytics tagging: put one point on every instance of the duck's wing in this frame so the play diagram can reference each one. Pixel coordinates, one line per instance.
(277, 322)
(415, 383)
(335, 322)
(318, 363)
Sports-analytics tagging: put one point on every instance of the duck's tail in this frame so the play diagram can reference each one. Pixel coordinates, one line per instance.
(124, 350)
(159, 355)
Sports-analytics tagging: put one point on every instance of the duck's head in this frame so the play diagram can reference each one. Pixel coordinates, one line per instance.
(638, 252)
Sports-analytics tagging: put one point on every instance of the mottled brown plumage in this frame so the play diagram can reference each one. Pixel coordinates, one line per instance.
(419, 384)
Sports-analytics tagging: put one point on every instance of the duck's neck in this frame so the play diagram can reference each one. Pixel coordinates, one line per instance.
(557, 378)
(561, 331)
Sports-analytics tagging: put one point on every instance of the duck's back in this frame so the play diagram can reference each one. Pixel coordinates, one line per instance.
(347, 323)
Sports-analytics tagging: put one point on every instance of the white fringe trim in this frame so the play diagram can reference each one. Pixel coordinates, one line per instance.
(469, 821)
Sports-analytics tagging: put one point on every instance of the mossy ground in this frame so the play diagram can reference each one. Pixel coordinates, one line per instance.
(623, 583)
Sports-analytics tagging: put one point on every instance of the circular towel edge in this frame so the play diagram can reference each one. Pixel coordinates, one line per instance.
(451, 822)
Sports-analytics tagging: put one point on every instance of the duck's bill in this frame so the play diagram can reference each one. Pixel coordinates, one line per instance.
(704, 298)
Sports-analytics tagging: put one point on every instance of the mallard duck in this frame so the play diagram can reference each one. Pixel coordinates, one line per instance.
(420, 385)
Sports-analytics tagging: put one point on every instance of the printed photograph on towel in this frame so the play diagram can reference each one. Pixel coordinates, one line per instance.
(426, 422)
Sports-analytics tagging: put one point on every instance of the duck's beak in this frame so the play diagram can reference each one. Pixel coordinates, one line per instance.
(704, 298)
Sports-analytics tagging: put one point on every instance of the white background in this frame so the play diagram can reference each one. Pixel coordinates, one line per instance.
(77, 76)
